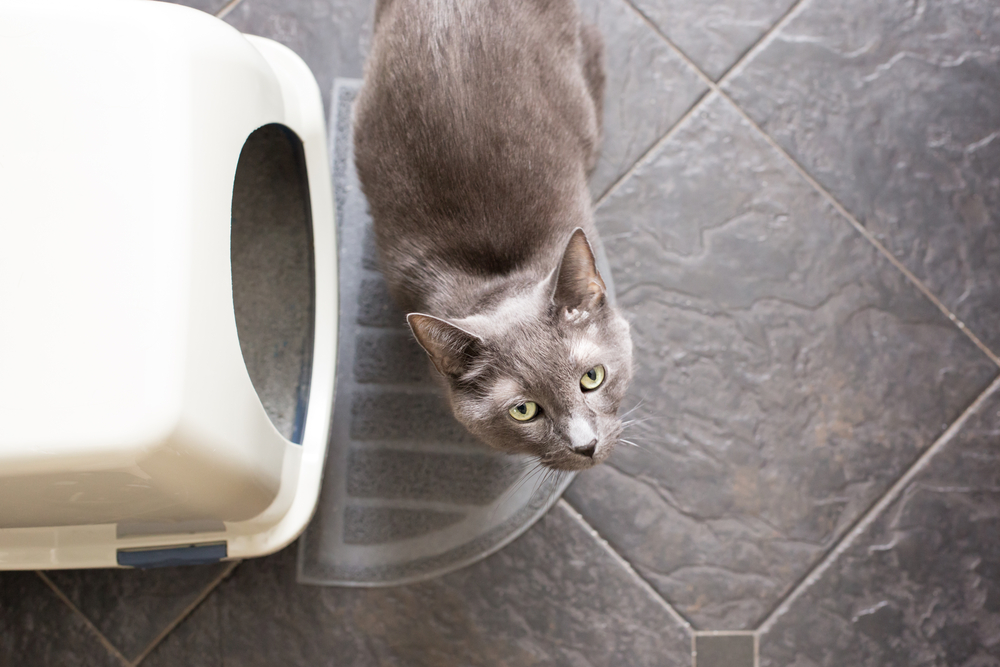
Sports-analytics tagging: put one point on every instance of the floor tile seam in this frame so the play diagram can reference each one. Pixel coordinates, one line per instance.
(170, 627)
(763, 41)
(874, 512)
(826, 194)
(627, 566)
(227, 8)
(699, 102)
(111, 648)
(748, 54)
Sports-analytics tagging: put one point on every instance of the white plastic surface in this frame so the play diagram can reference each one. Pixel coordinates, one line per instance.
(125, 405)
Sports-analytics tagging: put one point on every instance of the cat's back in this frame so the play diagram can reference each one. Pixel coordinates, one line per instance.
(473, 132)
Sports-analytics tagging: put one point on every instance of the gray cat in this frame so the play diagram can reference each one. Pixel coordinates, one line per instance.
(475, 130)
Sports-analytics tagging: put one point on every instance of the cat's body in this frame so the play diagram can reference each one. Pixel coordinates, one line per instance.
(475, 130)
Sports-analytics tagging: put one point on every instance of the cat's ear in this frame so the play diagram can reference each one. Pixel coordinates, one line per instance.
(578, 283)
(450, 347)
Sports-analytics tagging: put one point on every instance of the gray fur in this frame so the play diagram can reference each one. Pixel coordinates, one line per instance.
(475, 130)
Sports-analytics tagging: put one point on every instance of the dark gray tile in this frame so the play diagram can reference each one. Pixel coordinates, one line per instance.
(790, 372)
(553, 597)
(131, 607)
(196, 642)
(648, 88)
(724, 651)
(39, 629)
(921, 585)
(895, 108)
(332, 36)
(714, 33)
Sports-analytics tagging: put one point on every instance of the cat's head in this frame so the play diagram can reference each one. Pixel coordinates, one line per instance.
(542, 372)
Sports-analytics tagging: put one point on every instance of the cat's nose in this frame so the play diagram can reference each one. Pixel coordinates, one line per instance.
(582, 438)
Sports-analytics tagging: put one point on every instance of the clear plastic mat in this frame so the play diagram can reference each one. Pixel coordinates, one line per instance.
(408, 494)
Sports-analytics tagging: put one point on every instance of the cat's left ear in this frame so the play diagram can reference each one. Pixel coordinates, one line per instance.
(451, 348)
(578, 283)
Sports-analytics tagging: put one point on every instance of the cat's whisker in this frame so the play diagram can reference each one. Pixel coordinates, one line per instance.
(541, 479)
(512, 491)
(538, 466)
(538, 482)
(636, 445)
(633, 409)
(637, 422)
(549, 473)
(535, 465)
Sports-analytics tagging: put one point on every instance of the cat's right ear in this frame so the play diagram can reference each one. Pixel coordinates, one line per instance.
(450, 347)
(578, 283)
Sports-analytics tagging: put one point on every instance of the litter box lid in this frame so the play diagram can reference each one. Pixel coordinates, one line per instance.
(124, 397)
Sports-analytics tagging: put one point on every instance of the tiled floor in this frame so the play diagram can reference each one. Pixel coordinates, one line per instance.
(801, 203)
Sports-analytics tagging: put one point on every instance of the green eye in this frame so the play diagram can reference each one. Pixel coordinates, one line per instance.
(592, 379)
(523, 412)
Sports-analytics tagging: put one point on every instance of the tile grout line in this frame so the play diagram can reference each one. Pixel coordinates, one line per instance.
(228, 7)
(676, 615)
(209, 589)
(93, 628)
(763, 42)
(702, 99)
(875, 511)
(826, 194)
(656, 145)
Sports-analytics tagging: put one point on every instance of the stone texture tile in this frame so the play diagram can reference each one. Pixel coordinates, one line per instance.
(714, 33)
(553, 597)
(921, 585)
(131, 607)
(895, 108)
(332, 36)
(37, 629)
(648, 88)
(789, 372)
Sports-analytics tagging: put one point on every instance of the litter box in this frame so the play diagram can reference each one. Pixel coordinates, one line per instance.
(132, 427)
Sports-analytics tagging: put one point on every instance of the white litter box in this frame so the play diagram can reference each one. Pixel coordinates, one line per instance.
(130, 430)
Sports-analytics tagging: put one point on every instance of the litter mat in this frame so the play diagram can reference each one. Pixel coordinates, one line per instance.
(407, 493)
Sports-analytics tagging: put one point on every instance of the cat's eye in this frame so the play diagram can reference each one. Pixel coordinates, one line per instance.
(523, 412)
(592, 379)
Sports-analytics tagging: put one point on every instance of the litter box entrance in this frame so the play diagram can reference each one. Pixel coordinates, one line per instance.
(273, 276)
